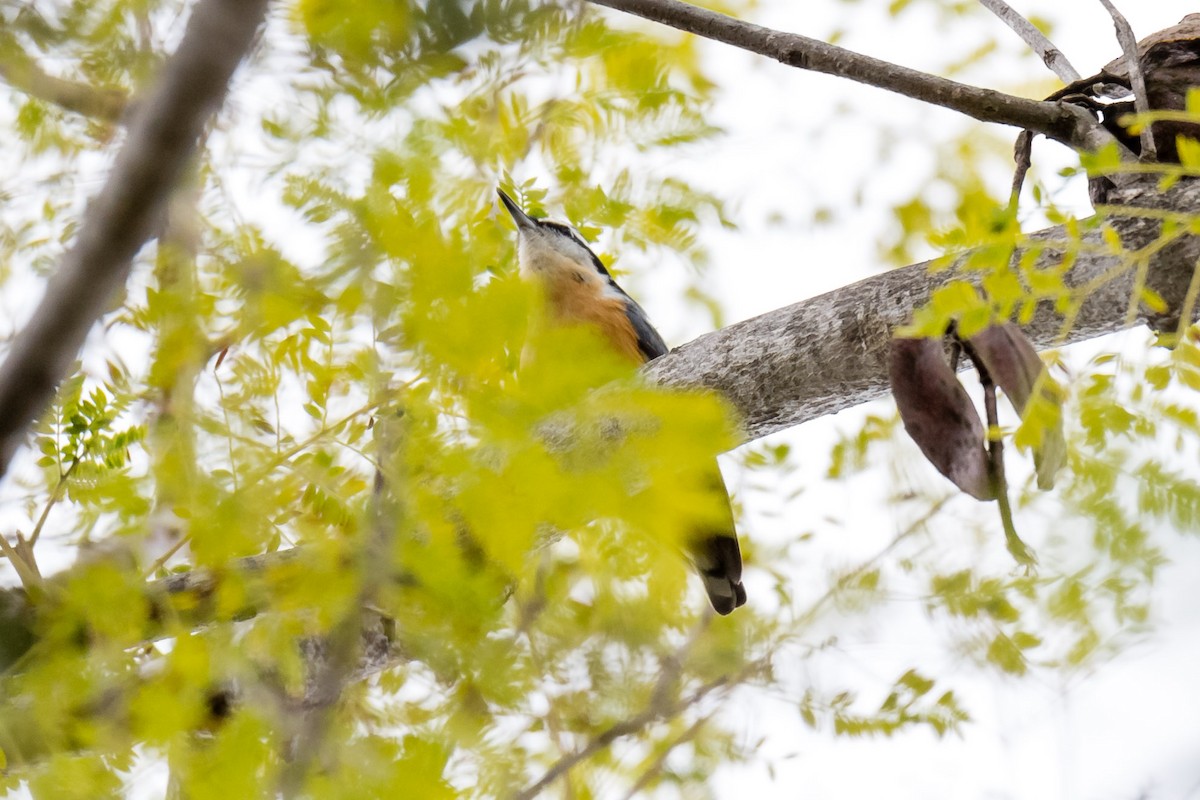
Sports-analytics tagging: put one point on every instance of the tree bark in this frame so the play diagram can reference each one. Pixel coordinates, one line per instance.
(829, 353)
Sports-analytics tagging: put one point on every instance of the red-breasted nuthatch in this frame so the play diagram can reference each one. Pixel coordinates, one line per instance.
(579, 290)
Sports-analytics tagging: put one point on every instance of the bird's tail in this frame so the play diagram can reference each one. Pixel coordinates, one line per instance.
(719, 561)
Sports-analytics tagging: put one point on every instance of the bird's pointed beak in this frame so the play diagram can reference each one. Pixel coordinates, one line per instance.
(523, 220)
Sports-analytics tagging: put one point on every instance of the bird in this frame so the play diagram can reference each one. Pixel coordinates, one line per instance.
(579, 290)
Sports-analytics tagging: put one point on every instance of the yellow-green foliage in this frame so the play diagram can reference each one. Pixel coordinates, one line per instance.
(333, 295)
(536, 519)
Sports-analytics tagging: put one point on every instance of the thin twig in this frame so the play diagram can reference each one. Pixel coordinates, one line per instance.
(1061, 122)
(1023, 158)
(1037, 41)
(161, 561)
(659, 707)
(1189, 305)
(817, 606)
(612, 733)
(1137, 81)
(660, 761)
(122, 218)
(59, 488)
(1019, 550)
(1139, 289)
(554, 724)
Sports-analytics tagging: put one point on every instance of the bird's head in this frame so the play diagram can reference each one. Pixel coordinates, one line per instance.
(552, 250)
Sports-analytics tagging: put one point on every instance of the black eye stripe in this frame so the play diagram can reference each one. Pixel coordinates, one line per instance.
(565, 230)
(573, 235)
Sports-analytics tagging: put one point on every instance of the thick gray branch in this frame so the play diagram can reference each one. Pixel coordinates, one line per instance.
(162, 138)
(1062, 123)
(829, 353)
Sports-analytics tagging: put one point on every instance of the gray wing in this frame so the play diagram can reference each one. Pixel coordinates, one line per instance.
(649, 342)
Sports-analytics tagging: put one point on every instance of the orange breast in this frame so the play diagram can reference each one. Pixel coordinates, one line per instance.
(575, 302)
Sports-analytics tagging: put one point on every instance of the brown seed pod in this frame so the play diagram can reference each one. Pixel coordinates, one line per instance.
(938, 414)
(1015, 367)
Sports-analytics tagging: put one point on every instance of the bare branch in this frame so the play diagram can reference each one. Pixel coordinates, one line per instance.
(162, 138)
(1037, 41)
(1133, 64)
(1057, 121)
(616, 731)
(23, 73)
(660, 761)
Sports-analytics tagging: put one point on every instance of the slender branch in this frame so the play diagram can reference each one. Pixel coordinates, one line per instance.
(616, 731)
(1060, 122)
(1037, 41)
(660, 706)
(656, 767)
(60, 488)
(20, 71)
(1189, 305)
(182, 541)
(1023, 160)
(1016, 547)
(845, 579)
(121, 219)
(1137, 81)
